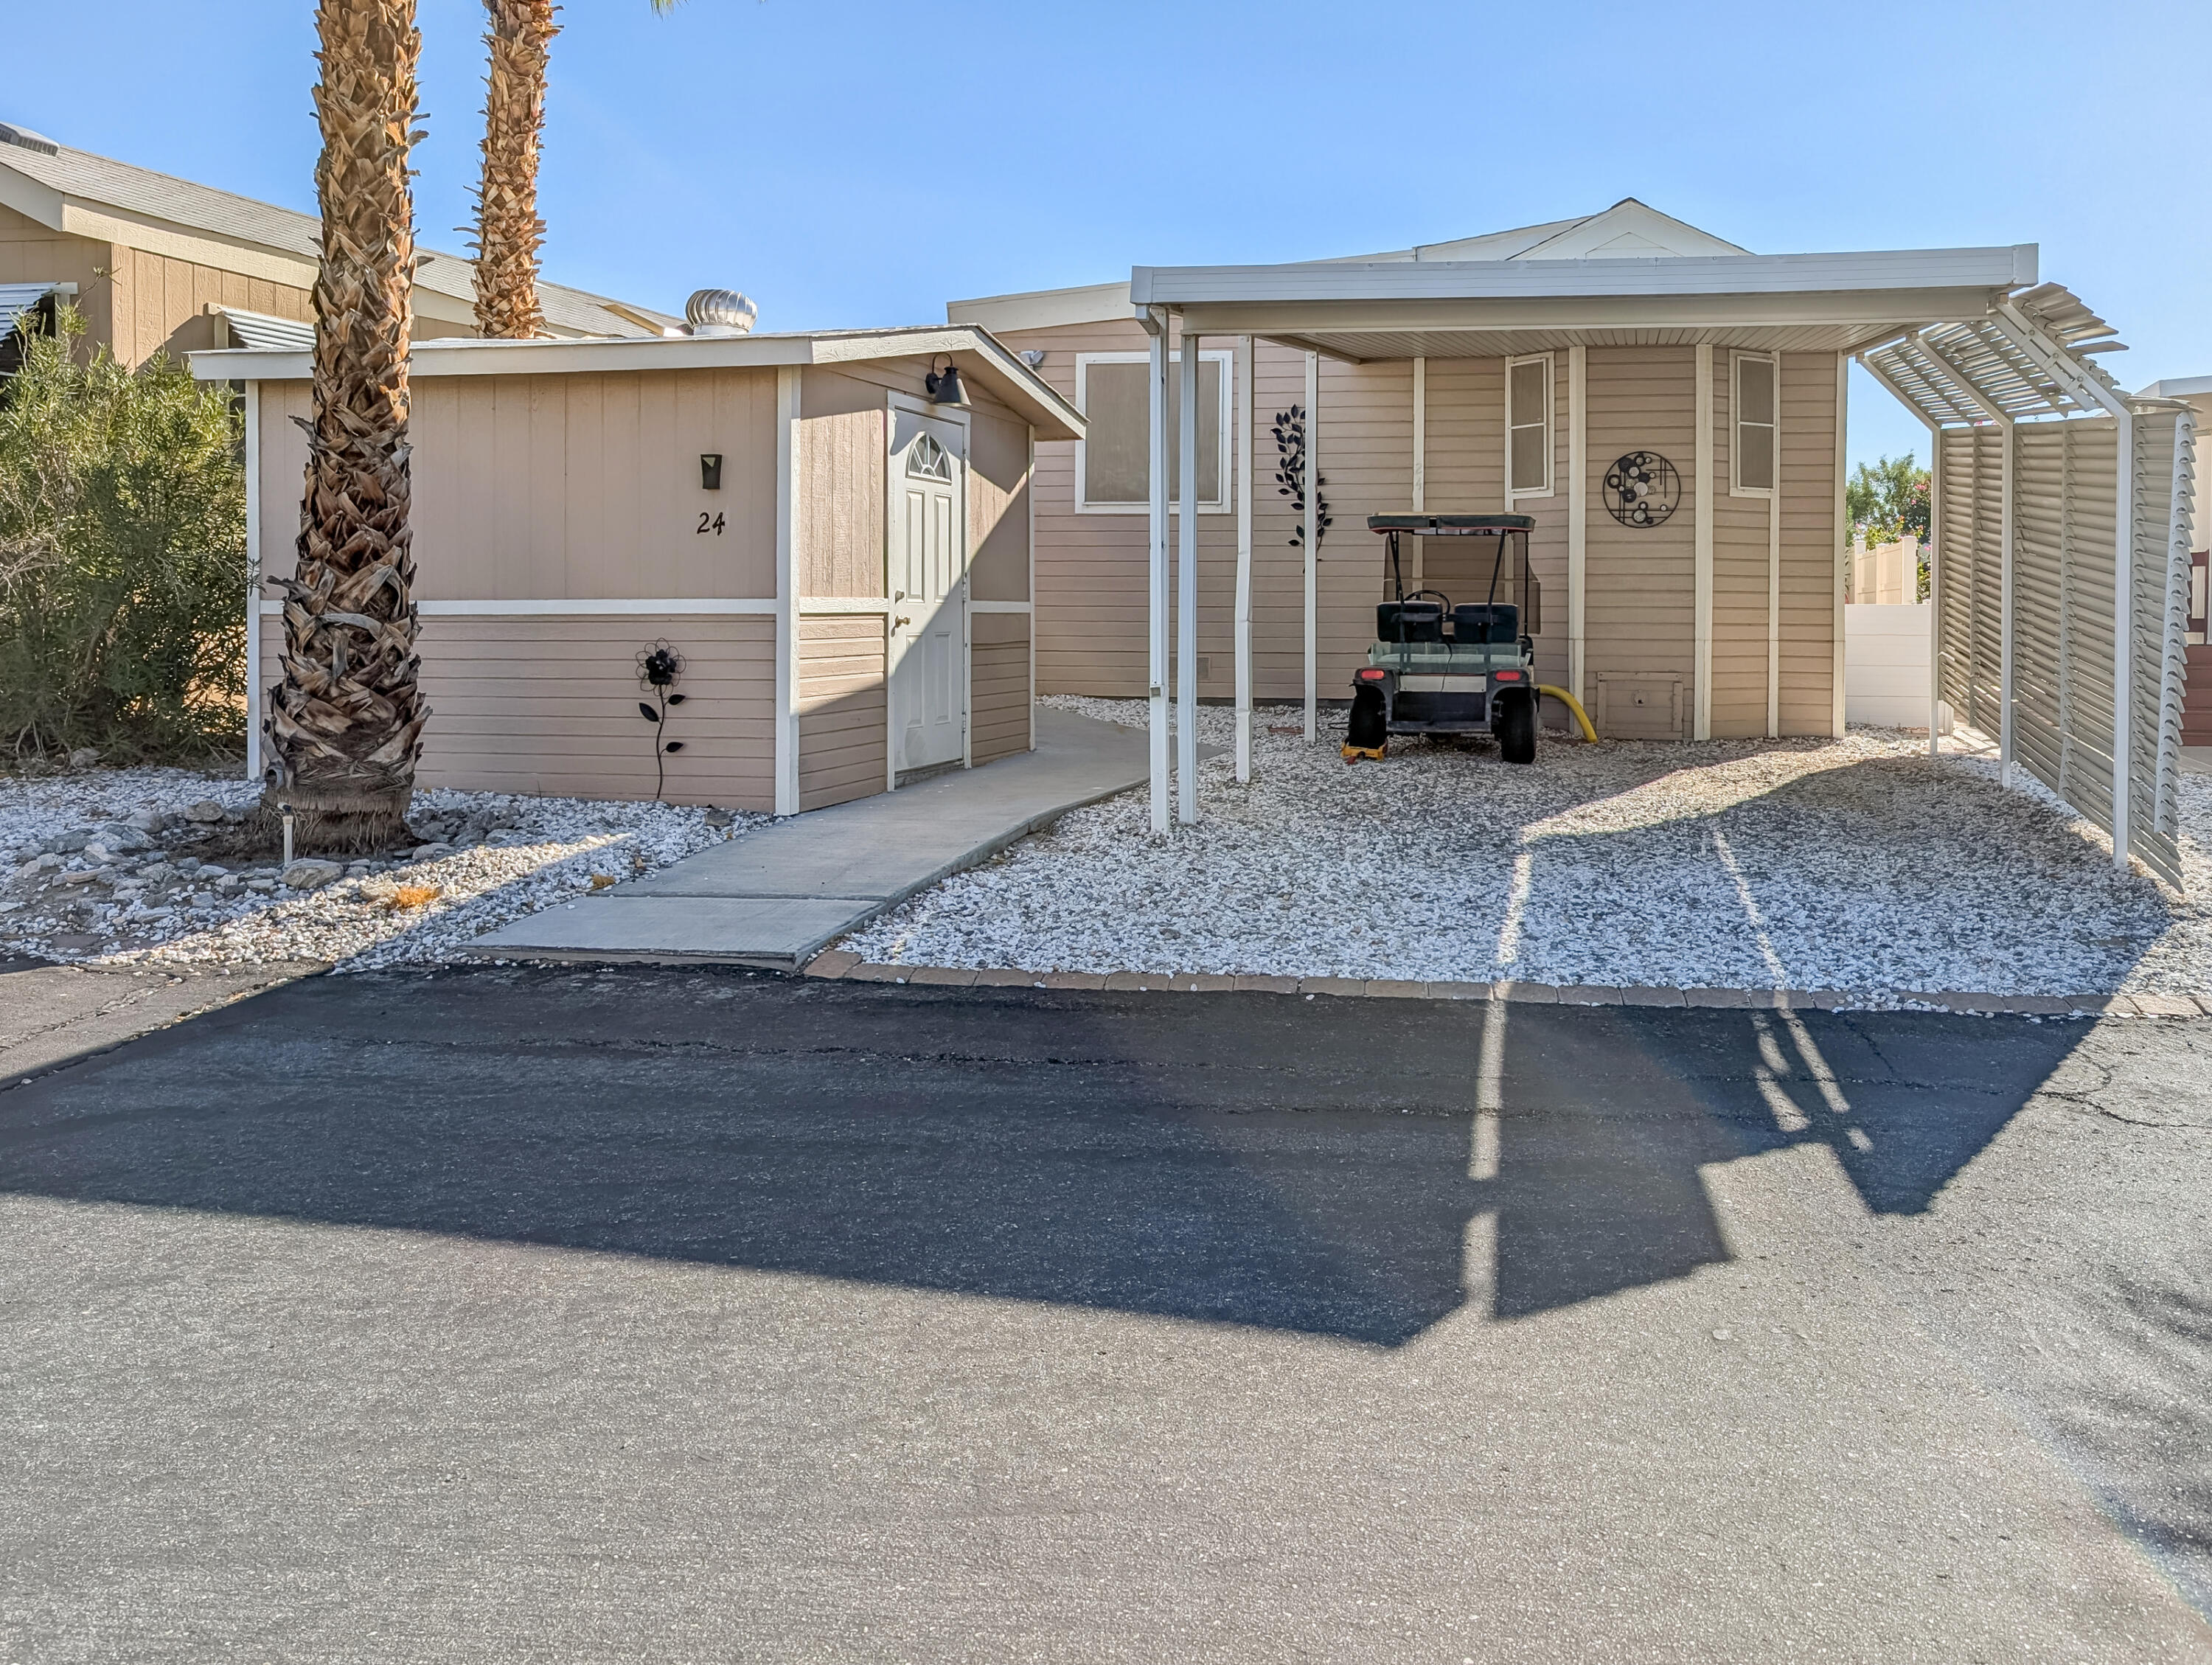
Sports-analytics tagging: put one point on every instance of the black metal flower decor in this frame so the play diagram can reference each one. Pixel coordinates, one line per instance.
(657, 668)
(1291, 475)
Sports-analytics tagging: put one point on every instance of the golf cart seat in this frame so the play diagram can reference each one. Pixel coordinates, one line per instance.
(1409, 621)
(1477, 621)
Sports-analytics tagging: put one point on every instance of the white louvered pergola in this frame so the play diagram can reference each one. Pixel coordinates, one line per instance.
(2059, 572)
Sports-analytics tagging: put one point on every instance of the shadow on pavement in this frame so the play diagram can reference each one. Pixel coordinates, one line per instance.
(1312, 1166)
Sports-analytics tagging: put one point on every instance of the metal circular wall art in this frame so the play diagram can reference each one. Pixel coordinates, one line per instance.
(1642, 488)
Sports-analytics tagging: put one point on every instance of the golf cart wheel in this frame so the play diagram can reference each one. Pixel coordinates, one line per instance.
(1514, 721)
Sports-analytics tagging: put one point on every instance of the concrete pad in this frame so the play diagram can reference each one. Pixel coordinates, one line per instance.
(893, 844)
(779, 895)
(832, 962)
(622, 925)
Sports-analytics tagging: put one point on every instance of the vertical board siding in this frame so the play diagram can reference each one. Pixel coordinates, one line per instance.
(160, 302)
(1812, 658)
(1740, 558)
(1639, 613)
(842, 443)
(568, 487)
(999, 685)
(998, 506)
(843, 714)
(549, 705)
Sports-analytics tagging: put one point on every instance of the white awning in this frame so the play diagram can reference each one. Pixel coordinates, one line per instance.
(260, 330)
(16, 298)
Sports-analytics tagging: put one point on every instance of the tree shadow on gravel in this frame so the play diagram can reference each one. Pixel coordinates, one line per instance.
(1292, 1165)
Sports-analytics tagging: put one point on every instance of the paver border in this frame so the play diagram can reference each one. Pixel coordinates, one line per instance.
(839, 963)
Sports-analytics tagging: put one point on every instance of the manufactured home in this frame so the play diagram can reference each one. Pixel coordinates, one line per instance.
(1161, 488)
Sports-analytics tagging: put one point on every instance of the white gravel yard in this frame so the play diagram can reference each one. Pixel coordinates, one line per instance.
(1849, 865)
(110, 865)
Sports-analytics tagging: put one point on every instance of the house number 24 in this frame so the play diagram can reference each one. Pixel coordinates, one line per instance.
(709, 523)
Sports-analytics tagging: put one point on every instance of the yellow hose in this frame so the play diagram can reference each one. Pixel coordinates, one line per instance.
(1575, 706)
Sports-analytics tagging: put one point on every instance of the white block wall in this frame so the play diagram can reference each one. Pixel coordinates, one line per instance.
(1886, 665)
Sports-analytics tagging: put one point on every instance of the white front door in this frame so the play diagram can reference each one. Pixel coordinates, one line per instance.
(929, 592)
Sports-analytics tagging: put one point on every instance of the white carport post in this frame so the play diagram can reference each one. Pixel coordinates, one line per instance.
(1156, 324)
(1244, 368)
(1934, 544)
(1312, 533)
(1187, 593)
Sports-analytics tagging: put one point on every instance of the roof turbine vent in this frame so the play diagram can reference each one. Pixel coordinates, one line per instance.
(720, 311)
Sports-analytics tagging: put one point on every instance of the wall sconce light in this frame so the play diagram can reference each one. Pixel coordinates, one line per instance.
(944, 386)
(1033, 356)
(710, 470)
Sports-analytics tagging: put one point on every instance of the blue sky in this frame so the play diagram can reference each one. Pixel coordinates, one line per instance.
(860, 163)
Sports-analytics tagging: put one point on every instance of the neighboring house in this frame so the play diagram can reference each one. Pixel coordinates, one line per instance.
(155, 263)
(838, 549)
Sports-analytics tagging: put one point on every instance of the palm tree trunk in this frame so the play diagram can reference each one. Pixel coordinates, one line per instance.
(345, 722)
(509, 230)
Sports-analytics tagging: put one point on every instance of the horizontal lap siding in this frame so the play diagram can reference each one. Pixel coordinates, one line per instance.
(549, 705)
(1812, 659)
(1639, 611)
(999, 685)
(842, 716)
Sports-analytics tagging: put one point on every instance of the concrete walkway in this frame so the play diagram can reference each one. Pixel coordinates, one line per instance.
(775, 897)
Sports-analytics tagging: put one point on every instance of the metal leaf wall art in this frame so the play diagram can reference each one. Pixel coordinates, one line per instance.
(1291, 475)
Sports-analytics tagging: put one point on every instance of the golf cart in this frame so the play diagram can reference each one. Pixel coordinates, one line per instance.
(1438, 668)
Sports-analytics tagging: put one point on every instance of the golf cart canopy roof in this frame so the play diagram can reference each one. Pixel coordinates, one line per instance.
(1452, 526)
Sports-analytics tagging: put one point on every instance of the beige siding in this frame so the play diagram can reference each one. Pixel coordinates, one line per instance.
(842, 443)
(842, 715)
(31, 253)
(999, 507)
(574, 487)
(1739, 563)
(1809, 656)
(1639, 610)
(161, 303)
(999, 685)
(548, 705)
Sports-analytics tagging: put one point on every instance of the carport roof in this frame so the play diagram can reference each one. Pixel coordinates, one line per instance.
(1384, 309)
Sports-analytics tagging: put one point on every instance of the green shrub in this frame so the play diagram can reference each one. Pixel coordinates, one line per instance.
(123, 575)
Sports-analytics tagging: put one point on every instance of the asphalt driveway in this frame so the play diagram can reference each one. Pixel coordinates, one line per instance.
(527, 1314)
